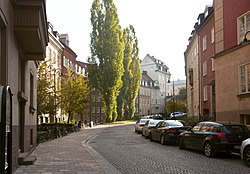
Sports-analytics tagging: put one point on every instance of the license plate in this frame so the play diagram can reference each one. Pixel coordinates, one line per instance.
(236, 147)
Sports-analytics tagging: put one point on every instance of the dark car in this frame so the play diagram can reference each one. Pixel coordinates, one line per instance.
(167, 131)
(214, 137)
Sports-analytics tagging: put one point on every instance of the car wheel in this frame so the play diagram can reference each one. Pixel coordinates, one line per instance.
(246, 156)
(162, 140)
(181, 143)
(208, 149)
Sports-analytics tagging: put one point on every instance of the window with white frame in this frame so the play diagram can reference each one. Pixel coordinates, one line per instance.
(243, 26)
(213, 68)
(204, 68)
(205, 93)
(204, 43)
(244, 72)
(65, 61)
(212, 35)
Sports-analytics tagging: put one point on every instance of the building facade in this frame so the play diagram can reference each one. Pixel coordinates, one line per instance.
(193, 76)
(23, 33)
(207, 74)
(160, 74)
(53, 61)
(232, 59)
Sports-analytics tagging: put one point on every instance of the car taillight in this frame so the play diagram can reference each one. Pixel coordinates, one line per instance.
(221, 136)
(170, 130)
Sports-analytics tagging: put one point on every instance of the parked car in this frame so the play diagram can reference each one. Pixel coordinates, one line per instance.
(245, 151)
(148, 126)
(214, 137)
(167, 131)
(177, 114)
(139, 124)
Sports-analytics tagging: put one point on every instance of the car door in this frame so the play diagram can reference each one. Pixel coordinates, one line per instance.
(156, 131)
(191, 137)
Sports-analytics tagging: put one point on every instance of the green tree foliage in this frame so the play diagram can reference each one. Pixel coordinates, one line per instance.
(46, 96)
(182, 94)
(74, 93)
(178, 103)
(134, 81)
(106, 54)
(127, 76)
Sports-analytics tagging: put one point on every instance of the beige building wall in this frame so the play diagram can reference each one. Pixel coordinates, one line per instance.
(192, 66)
(219, 27)
(23, 38)
(144, 101)
(230, 105)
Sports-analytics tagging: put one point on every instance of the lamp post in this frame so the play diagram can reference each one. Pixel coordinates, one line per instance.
(173, 97)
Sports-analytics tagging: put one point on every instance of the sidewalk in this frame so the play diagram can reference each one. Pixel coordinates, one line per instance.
(69, 155)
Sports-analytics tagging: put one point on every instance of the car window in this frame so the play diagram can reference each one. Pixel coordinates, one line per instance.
(205, 128)
(147, 122)
(197, 127)
(236, 129)
(159, 124)
(173, 123)
(143, 120)
(153, 122)
(213, 128)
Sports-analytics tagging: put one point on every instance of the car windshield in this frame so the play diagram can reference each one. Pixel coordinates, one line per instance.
(174, 123)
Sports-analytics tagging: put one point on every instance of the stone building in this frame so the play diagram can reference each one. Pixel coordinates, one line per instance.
(23, 41)
(160, 74)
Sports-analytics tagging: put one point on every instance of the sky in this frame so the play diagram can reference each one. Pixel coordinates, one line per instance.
(162, 26)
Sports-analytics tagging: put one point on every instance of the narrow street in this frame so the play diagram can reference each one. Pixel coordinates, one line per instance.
(131, 153)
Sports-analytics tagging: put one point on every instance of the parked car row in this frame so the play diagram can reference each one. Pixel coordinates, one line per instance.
(209, 137)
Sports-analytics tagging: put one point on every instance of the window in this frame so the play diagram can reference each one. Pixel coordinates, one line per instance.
(204, 43)
(213, 65)
(244, 72)
(212, 35)
(65, 61)
(205, 93)
(204, 68)
(243, 26)
(245, 119)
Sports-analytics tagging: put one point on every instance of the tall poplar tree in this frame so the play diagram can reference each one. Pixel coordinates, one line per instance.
(106, 54)
(134, 82)
(131, 76)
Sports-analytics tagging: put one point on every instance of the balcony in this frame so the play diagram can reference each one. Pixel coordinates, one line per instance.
(30, 27)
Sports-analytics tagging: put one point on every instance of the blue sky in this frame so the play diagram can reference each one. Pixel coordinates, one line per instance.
(162, 27)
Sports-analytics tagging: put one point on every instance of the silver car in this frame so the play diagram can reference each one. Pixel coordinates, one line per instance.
(245, 151)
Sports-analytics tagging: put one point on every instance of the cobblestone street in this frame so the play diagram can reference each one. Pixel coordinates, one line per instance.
(131, 153)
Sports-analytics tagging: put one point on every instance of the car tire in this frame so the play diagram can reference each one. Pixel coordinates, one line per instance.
(162, 140)
(246, 156)
(209, 150)
(181, 143)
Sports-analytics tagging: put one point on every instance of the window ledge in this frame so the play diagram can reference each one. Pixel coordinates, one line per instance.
(245, 95)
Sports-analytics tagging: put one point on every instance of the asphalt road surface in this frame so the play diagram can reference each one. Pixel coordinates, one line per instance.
(131, 153)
